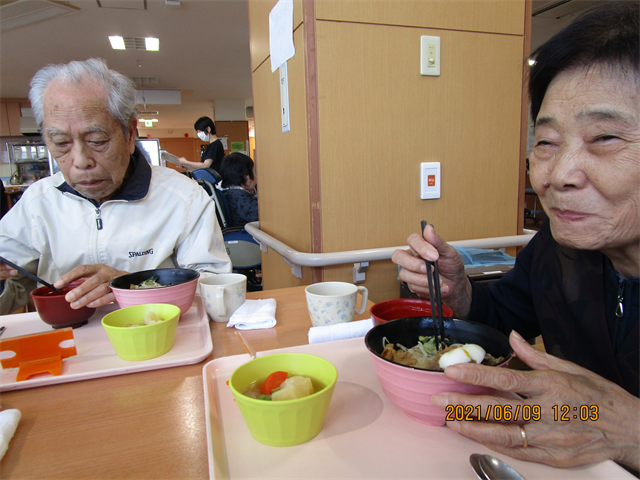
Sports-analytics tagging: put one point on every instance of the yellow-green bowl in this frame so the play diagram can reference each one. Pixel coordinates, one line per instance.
(146, 341)
(287, 422)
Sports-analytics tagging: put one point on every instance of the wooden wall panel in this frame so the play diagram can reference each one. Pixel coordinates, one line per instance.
(497, 16)
(259, 27)
(283, 176)
(379, 121)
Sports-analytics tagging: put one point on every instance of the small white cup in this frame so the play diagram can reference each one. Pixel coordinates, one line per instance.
(334, 302)
(223, 294)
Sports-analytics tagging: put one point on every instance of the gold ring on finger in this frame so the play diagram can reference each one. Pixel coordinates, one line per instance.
(525, 444)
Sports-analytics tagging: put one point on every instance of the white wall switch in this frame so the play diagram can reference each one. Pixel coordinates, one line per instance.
(430, 56)
(429, 180)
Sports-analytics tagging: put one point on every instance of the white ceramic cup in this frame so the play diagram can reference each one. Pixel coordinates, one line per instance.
(334, 302)
(223, 294)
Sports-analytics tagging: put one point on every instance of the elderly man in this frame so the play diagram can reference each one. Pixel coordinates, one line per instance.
(107, 212)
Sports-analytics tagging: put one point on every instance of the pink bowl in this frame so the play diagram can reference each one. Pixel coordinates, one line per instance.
(402, 308)
(181, 292)
(54, 310)
(411, 388)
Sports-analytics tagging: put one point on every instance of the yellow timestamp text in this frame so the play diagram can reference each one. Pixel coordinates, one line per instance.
(565, 413)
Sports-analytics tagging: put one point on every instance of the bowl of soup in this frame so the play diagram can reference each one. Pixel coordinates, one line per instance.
(404, 376)
(54, 309)
(142, 332)
(176, 286)
(305, 382)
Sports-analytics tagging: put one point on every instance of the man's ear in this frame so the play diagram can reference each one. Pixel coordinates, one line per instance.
(133, 124)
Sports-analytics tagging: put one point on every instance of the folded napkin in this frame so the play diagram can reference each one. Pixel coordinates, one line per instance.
(340, 331)
(8, 422)
(254, 314)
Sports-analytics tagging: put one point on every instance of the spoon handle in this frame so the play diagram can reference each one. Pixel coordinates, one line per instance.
(29, 274)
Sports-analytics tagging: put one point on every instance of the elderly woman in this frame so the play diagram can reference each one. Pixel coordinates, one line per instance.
(576, 282)
(239, 186)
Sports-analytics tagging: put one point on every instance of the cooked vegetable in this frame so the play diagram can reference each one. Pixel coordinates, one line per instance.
(273, 381)
(151, 282)
(292, 388)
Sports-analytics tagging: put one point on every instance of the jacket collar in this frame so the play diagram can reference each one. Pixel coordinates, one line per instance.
(135, 187)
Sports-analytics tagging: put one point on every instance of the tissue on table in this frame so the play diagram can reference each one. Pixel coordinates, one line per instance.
(340, 331)
(254, 314)
(8, 423)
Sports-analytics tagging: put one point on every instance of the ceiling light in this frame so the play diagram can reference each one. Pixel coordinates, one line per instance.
(532, 62)
(117, 42)
(153, 44)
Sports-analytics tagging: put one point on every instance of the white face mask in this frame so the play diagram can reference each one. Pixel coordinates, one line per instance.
(203, 136)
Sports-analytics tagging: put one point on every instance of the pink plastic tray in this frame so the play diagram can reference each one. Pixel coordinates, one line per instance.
(365, 435)
(96, 356)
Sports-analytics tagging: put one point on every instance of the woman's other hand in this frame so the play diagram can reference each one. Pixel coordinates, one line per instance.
(455, 286)
(6, 272)
(609, 430)
(95, 291)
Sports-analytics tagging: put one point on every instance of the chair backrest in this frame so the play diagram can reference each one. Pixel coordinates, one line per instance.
(218, 198)
(208, 174)
(243, 250)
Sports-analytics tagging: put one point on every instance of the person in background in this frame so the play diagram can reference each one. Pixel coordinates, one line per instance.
(239, 187)
(214, 154)
(107, 212)
(576, 282)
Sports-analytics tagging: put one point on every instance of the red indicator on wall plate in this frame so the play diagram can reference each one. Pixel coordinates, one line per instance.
(431, 180)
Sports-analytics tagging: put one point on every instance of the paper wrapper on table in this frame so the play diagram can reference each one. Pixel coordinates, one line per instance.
(340, 331)
(8, 423)
(254, 315)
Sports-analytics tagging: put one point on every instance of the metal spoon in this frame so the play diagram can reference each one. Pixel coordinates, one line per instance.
(29, 274)
(488, 467)
(474, 459)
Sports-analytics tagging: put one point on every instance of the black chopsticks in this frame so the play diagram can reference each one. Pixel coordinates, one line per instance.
(433, 275)
(29, 274)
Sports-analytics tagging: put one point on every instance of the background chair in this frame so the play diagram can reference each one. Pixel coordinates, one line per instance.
(242, 249)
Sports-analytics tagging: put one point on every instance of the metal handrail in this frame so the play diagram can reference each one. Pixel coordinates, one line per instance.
(361, 258)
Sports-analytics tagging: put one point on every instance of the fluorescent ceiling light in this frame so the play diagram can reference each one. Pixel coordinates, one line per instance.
(117, 42)
(153, 44)
(532, 62)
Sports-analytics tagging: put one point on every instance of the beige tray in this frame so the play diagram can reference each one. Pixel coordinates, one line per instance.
(365, 435)
(96, 356)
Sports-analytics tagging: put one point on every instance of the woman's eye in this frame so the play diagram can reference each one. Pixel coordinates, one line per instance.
(606, 138)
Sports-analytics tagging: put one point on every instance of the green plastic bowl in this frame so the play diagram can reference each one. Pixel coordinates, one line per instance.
(146, 341)
(287, 422)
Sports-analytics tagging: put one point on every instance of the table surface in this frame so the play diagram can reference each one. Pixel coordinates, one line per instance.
(135, 426)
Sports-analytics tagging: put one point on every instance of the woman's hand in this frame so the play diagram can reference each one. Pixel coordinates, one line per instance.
(95, 290)
(6, 272)
(612, 431)
(455, 286)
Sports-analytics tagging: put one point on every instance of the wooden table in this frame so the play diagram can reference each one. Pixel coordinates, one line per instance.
(141, 425)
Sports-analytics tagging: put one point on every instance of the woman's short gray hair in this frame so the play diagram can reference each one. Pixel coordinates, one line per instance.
(121, 91)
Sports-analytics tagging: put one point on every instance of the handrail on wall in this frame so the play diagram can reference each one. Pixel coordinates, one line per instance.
(361, 258)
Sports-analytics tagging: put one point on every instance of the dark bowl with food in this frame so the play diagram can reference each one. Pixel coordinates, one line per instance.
(54, 309)
(411, 388)
(382, 312)
(176, 286)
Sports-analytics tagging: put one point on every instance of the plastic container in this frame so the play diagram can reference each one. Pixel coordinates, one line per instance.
(54, 310)
(145, 341)
(403, 308)
(288, 422)
(182, 289)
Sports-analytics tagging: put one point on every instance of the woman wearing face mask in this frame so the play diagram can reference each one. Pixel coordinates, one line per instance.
(213, 155)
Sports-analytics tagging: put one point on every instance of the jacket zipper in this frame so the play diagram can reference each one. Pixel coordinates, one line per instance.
(620, 307)
(98, 219)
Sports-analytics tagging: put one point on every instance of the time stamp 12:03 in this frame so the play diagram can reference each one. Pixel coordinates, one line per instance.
(527, 413)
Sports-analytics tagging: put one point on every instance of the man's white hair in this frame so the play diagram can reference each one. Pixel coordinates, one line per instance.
(120, 90)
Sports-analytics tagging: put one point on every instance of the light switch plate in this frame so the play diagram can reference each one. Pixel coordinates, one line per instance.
(429, 180)
(430, 56)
